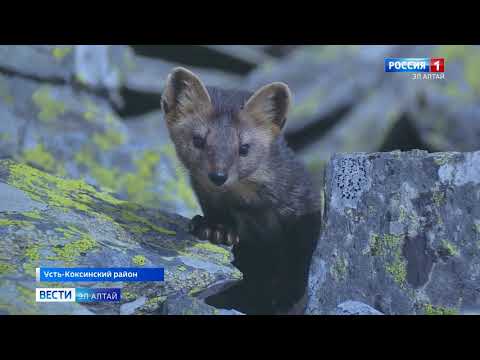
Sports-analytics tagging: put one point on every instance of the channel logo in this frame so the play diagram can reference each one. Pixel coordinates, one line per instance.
(79, 295)
(415, 65)
(55, 295)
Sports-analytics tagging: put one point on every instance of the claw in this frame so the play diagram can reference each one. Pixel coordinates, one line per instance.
(206, 233)
(229, 239)
(217, 237)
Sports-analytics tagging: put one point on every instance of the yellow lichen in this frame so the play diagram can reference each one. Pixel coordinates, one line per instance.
(59, 52)
(139, 260)
(50, 109)
(108, 140)
(40, 157)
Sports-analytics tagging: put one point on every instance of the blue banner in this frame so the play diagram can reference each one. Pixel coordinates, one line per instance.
(99, 274)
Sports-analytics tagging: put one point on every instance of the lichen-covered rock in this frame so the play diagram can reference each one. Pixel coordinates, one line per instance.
(401, 232)
(366, 128)
(55, 222)
(46, 62)
(355, 308)
(149, 75)
(77, 134)
(323, 79)
(446, 114)
(336, 88)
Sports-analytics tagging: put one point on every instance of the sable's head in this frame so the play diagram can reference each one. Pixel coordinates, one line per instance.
(222, 136)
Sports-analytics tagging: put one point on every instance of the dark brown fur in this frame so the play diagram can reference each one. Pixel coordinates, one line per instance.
(267, 207)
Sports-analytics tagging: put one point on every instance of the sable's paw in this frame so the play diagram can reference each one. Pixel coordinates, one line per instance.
(222, 235)
(217, 234)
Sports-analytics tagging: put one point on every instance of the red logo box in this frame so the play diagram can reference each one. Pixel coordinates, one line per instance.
(437, 65)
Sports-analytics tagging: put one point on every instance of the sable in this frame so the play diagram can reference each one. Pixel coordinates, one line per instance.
(254, 193)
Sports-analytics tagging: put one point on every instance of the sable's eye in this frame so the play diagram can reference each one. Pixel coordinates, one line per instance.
(243, 151)
(198, 142)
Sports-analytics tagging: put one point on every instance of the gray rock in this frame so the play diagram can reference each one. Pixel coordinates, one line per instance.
(247, 53)
(186, 305)
(323, 80)
(401, 232)
(355, 308)
(46, 62)
(149, 75)
(447, 112)
(95, 65)
(129, 308)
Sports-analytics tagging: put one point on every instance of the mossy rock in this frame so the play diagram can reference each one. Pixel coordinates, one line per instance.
(51, 221)
(391, 241)
(78, 135)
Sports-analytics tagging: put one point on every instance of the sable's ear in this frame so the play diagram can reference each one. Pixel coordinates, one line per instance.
(270, 104)
(184, 93)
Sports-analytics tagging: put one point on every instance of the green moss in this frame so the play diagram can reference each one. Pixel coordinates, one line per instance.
(139, 260)
(143, 225)
(339, 268)
(308, 106)
(18, 223)
(27, 294)
(450, 248)
(5, 137)
(54, 191)
(40, 157)
(155, 300)
(91, 112)
(50, 109)
(32, 253)
(439, 310)
(438, 198)
(472, 71)
(390, 247)
(402, 214)
(110, 119)
(138, 184)
(442, 158)
(476, 226)
(107, 178)
(453, 90)
(398, 271)
(128, 296)
(34, 214)
(178, 188)
(212, 248)
(6, 268)
(59, 52)
(5, 93)
(470, 57)
(80, 78)
(71, 251)
(78, 196)
(108, 140)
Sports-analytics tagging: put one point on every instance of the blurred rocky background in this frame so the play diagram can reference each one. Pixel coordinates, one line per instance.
(93, 113)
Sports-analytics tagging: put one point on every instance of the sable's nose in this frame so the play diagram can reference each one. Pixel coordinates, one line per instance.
(218, 178)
